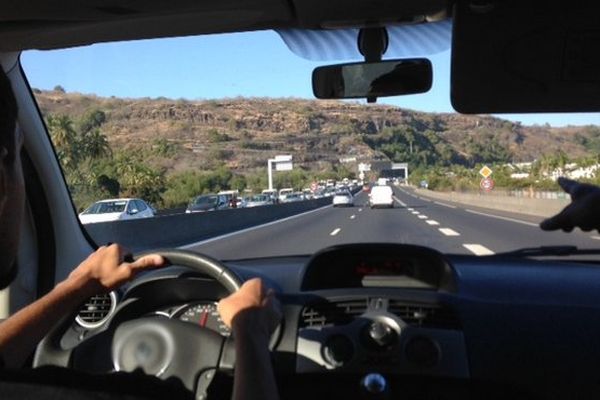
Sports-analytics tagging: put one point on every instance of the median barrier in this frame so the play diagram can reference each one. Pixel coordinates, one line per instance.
(541, 207)
(181, 229)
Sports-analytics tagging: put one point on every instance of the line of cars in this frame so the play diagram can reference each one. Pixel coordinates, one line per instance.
(134, 208)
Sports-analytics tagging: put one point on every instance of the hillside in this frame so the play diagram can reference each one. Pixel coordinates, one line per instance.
(242, 133)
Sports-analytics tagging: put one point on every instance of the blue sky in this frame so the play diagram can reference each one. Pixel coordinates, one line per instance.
(256, 64)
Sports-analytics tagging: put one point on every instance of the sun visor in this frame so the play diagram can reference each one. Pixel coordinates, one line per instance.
(526, 56)
(341, 44)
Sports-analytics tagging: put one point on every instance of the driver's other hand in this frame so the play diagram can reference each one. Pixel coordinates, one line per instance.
(252, 300)
(105, 270)
(583, 212)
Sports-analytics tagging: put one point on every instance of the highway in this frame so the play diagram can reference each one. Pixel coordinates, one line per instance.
(447, 227)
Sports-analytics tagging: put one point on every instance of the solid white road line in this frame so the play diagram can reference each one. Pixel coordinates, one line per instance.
(335, 231)
(252, 228)
(432, 222)
(449, 232)
(403, 204)
(595, 237)
(478, 249)
(422, 216)
(518, 221)
(352, 216)
(444, 204)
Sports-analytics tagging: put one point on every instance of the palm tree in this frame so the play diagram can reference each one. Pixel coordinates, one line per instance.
(63, 137)
(96, 144)
(61, 130)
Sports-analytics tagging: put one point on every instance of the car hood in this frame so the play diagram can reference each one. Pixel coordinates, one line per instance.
(105, 217)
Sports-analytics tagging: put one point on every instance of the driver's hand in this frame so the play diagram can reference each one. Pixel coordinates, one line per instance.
(253, 303)
(105, 270)
(583, 212)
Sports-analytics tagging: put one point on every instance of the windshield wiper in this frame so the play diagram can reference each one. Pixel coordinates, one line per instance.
(551, 251)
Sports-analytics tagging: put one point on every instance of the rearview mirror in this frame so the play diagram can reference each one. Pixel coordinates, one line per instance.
(372, 79)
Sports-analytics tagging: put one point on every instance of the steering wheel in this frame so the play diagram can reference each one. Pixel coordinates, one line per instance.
(160, 346)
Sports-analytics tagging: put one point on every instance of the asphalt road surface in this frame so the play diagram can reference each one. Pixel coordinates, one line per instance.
(447, 227)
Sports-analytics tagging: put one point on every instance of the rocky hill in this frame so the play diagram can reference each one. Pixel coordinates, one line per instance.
(244, 132)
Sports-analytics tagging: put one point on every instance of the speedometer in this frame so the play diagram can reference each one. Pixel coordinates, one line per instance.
(204, 315)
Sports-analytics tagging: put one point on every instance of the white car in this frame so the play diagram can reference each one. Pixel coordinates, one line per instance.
(381, 196)
(115, 210)
(343, 198)
(258, 200)
(284, 193)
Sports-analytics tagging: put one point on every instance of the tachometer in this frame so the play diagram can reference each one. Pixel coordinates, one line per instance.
(205, 315)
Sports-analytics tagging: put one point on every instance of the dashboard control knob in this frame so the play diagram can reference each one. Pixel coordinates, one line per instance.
(338, 350)
(381, 333)
(374, 383)
(422, 352)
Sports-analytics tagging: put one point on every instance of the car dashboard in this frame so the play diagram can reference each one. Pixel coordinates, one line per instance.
(361, 321)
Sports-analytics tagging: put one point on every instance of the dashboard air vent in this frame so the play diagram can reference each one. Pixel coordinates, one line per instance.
(332, 313)
(425, 315)
(97, 310)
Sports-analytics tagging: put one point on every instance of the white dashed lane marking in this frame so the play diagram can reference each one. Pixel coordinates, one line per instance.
(449, 232)
(422, 216)
(432, 222)
(352, 216)
(416, 212)
(478, 249)
(335, 231)
(595, 237)
(410, 209)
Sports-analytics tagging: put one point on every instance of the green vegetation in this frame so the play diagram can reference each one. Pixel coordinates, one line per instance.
(427, 148)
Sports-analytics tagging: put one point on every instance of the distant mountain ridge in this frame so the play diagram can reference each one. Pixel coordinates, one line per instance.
(243, 131)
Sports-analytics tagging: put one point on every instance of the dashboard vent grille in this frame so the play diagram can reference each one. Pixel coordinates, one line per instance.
(425, 315)
(332, 313)
(97, 310)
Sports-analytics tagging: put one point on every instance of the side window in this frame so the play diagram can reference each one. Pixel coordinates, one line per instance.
(130, 206)
(141, 206)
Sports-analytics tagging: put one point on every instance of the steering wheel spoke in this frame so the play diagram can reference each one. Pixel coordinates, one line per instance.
(166, 348)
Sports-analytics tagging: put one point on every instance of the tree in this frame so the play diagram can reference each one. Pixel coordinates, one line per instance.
(92, 119)
(64, 137)
(94, 144)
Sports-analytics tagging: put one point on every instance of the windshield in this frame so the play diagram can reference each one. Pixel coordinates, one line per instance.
(106, 207)
(169, 120)
(202, 200)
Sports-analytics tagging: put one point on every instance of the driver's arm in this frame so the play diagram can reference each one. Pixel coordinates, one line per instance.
(102, 271)
(252, 313)
(583, 211)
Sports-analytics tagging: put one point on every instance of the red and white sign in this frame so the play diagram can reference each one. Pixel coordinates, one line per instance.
(487, 184)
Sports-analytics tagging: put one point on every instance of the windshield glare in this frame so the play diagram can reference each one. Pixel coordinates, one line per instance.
(211, 114)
